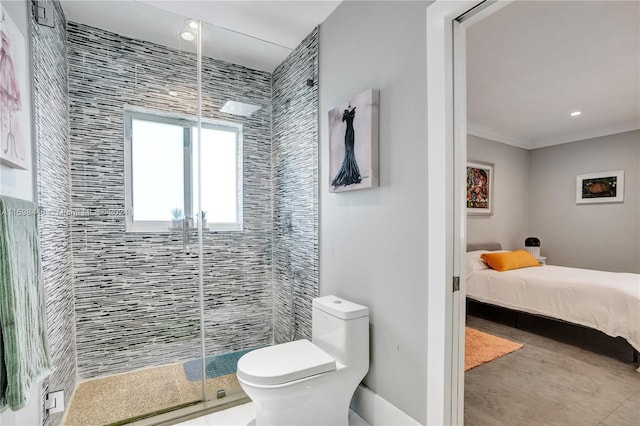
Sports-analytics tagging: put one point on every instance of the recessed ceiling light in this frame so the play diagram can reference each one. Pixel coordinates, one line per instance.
(575, 113)
(189, 36)
(192, 23)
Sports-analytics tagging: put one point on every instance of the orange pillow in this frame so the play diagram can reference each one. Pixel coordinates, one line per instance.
(509, 260)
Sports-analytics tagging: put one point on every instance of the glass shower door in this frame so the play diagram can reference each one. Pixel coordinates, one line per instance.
(132, 107)
(235, 194)
(171, 168)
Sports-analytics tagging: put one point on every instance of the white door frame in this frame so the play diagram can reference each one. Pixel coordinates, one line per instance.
(446, 132)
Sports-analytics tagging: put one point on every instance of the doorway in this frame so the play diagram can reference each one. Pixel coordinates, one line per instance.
(447, 129)
(446, 224)
(447, 138)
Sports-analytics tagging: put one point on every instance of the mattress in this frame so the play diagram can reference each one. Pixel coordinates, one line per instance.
(606, 301)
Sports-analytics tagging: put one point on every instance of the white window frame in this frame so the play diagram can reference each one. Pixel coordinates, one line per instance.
(185, 121)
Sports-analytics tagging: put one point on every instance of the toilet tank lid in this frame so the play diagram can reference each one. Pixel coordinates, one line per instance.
(284, 363)
(340, 308)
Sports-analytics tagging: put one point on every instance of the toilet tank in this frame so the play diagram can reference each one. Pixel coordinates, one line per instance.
(341, 328)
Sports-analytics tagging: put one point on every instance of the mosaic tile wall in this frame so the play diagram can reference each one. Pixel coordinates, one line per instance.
(53, 185)
(295, 190)
(136, 294)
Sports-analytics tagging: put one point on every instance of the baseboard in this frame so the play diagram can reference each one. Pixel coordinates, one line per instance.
(377, 411)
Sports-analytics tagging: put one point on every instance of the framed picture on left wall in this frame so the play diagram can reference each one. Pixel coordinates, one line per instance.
(479, 188)
(15, 107)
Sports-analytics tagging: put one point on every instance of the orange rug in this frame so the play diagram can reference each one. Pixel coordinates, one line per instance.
(482, 347)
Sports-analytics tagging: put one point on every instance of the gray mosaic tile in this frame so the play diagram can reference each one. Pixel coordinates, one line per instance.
(136, 295)
(295, 190)
(51, 124)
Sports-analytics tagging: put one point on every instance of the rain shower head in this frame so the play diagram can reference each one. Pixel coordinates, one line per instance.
(239, 108)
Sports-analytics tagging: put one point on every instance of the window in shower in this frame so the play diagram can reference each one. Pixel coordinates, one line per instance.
(161, 175)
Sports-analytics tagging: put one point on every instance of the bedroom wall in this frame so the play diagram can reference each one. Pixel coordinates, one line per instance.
(509, 222)
(373, 242)
(594, 236)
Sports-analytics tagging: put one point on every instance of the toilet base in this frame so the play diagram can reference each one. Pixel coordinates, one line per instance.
(321, 400)
(315, 413)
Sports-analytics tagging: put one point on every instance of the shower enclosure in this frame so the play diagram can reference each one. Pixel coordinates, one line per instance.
(188, 240)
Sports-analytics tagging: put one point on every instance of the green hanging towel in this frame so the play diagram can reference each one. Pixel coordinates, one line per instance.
(24, 352)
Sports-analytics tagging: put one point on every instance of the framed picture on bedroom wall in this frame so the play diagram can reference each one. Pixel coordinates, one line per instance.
(605, 187)
(479, 188)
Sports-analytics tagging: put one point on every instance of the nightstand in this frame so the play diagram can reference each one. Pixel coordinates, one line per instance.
(542, 260)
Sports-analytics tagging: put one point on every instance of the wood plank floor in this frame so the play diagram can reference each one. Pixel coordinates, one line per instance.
(549, 382)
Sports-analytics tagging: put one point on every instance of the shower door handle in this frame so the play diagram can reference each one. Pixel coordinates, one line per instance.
(185, 235)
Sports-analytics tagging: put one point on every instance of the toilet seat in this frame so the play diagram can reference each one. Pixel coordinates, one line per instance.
(287, 362)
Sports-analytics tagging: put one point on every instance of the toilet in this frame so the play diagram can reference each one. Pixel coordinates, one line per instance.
(311, 382)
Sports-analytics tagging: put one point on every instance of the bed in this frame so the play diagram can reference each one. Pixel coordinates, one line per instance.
(606, 301)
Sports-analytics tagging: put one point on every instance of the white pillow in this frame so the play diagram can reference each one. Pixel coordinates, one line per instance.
(474, 263)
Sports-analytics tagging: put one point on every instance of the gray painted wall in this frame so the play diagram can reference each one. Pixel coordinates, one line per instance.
(593, 236)
(510, 220)
(535, 196)
(294, 157)
(373, 242)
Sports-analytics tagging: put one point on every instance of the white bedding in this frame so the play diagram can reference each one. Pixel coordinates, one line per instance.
(605, 301)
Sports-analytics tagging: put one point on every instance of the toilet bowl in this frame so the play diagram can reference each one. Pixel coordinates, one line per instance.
(311, 382)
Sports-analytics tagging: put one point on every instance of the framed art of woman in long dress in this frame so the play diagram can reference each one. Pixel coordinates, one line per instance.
(353, 143)
(349, 172)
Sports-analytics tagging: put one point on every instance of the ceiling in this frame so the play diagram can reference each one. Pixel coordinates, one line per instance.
(532, 63)
(529, 65)
(256, 34)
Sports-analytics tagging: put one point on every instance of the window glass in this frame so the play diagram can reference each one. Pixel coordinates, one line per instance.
(219, 175)
(157, 169)
(162, 172)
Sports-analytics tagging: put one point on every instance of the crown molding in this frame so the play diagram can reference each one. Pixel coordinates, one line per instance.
(481, 131)
(627, 127)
